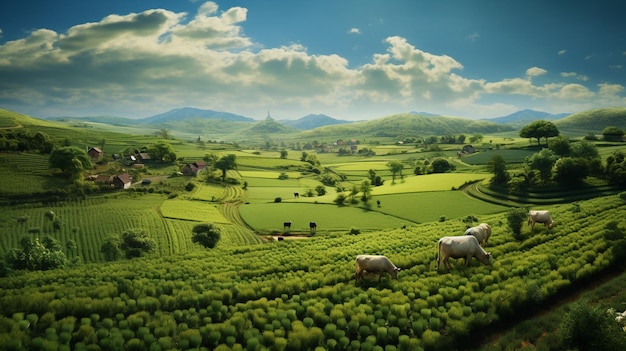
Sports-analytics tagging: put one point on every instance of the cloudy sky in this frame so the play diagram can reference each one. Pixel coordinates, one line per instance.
(349, 59)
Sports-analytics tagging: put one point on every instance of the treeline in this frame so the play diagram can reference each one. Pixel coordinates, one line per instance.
(25, 140)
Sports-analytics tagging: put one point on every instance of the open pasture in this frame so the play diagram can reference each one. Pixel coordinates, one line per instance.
(270, 217)
(430, 206)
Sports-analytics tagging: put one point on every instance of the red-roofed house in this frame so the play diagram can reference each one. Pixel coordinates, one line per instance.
(122, 181)
(192, 169)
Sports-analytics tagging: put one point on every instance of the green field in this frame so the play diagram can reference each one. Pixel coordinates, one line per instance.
(255, 293)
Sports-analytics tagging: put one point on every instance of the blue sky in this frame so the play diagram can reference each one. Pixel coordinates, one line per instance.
(349, 59)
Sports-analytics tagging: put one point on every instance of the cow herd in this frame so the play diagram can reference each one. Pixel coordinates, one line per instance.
(465, 246)
(312, 227)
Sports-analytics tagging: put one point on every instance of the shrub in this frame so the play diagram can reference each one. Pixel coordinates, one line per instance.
(355, 231)
(586, 327)
(278, 199)
(206, 234)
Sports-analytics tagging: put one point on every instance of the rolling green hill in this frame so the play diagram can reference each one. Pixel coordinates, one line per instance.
(407, 124)
(593, 121)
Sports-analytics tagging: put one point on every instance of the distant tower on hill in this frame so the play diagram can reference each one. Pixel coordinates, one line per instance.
(268, 118)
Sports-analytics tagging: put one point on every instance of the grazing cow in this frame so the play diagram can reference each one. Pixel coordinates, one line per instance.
(540, 217)
(465, 246)
(375, 264)
(296, 195)
(313, 227)
(482, 232)
(286, 226)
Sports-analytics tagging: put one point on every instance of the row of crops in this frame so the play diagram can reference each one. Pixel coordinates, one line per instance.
(90, 222)
(298, 295)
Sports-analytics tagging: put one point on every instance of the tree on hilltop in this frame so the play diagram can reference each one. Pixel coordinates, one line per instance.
(539, 129)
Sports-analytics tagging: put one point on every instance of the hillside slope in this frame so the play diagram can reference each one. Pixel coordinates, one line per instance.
(594, 121)
(410, 124)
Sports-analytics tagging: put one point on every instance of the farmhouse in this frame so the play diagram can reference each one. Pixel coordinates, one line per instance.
(192, 169)
(122, 181)
(95, 154)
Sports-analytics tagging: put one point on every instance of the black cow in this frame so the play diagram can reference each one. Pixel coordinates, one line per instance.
(287, 226)
(313, 227)
(296, 195)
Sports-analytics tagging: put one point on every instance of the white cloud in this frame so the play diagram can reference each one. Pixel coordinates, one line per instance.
(535, 71)
(354, 31)
(474, 36)
(144, 63)
(574, 75)
(562, 52)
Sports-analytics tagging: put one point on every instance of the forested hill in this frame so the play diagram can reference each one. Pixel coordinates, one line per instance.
(594, 120)
(410, 124)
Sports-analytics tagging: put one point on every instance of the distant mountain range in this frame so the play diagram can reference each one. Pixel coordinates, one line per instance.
(524, 117)
(309, 122)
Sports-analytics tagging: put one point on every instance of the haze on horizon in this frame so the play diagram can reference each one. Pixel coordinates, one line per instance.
(350, 59)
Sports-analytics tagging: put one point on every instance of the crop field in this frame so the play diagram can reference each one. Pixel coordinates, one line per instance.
(26, 173)
(294, 295)
(429, 182)
(510, 156)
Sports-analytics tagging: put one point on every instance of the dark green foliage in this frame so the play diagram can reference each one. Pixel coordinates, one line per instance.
(587, 327)
(340, 199)
(278, 199)
(206, 234)
(136, 242)
(71, 160)
(162, 151)
(516, 218)
(34, 255)
(616, 168)
(613, 133)
(320, 190)
(111, 248)
(539, 129)
(441, 165)
(226, 163)
(570, 171)
(497, 165)
(25, 140)
(190, 186)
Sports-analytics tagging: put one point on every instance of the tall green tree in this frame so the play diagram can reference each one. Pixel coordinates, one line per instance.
(543, 161)
(366, 190)
(538, 130)
(71, 160)
(497, 165)
(226, 163)
(395, 167)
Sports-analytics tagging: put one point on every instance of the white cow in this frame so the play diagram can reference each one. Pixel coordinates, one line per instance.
(465, 246)
(540, 217)
(375, 264)
(482, 232)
